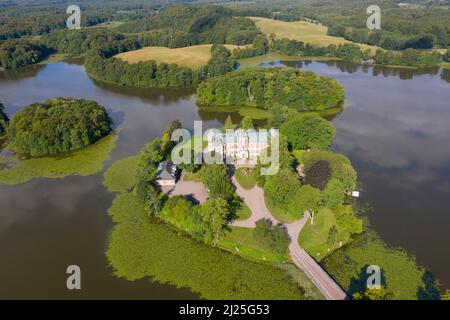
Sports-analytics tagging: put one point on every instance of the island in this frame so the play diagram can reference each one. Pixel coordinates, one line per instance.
(54, 139)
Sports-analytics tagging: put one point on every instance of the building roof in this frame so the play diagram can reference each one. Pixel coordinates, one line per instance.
(166, 171)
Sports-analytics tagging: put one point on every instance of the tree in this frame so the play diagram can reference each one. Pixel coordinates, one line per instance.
(307, 198)
(3, 119)
(281, 188)
(228, 123)
(334, 193)
(446, 295)
(153, 200)
(247, 123)
(166, 141)
(447, 56)
(274, 237)
(179, 209)
(220, 62)
(215, 177)
(57, 126)
(214, 215)
(309, 131)
(373, 294)
(276, 118)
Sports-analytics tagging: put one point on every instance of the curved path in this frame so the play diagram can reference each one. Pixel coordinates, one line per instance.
(254, 199)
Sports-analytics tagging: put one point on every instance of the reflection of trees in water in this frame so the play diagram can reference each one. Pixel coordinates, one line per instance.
(19, 74)
(403, 73)
(164, 96)
(445, 75)
(208, 115)
(350, 67)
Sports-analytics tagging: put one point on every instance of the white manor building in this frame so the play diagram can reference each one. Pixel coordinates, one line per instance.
(239, 144)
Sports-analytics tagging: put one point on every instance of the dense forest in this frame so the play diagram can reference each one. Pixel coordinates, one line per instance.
(150, 74)
(352, 52)
(16, 54)
(160, 23)
(197, 24)
(260, 87)
(409, 26)
(57, 126)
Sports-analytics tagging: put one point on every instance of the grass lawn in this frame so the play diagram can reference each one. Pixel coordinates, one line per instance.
(245, 178)
(279, 214)
(192, 57)
(314, 34)
(85, 162)
(244, 212)
(121, 176)
(313, 238)
(251, 112)
(241, 241)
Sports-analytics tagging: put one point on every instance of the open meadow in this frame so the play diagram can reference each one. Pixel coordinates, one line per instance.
(314, 34)
(193, 57)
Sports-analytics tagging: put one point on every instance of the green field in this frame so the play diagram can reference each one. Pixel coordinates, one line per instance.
(314, 34)
(313, 237)
(242, 242)
(192, 57)
(245, 178)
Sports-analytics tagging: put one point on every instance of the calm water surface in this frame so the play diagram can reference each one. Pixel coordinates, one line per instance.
(395, 128)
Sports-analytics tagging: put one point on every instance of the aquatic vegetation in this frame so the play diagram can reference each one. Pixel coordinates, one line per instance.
(85, 162)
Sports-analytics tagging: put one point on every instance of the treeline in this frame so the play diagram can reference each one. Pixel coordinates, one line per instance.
(352, 52)
(3, 119)
(83, 40)
(16, 54)
(198, 24)
(57, 126)
(402, 27)
(259, 47)
(32, 18)
(261, 87)
(101, 65)
(43, 22)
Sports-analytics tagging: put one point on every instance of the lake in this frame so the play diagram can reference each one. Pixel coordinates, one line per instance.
(395, 128)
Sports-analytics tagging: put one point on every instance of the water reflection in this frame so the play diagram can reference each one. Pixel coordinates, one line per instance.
(394, 127)
(374, 70)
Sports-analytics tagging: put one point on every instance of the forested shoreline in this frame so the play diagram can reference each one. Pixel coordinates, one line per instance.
(187, 25)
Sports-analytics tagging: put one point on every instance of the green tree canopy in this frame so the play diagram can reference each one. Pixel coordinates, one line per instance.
(262, 87)
(57, 126)
(215, 177)
(274, 237)
(3, 119)
(214, 214)
(309, 131)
